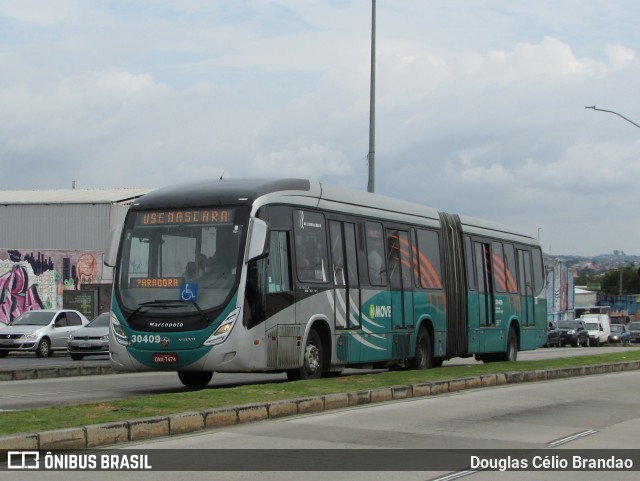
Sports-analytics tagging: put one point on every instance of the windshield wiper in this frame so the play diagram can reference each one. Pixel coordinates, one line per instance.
(195, 304)
(163, 304)
(166, 304)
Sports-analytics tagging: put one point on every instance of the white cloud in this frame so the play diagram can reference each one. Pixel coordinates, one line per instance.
(480, 107)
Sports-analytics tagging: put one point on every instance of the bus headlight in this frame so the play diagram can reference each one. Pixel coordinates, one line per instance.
(220, 335)
(118, 333)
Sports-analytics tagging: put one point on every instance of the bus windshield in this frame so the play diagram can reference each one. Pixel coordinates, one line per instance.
(179, 259)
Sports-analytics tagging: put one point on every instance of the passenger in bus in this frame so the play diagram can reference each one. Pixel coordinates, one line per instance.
(217, 270)
(190, 270)
(196, 268)
(375, 267)
(311, 264)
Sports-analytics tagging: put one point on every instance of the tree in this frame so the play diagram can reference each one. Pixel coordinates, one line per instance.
(610, 281)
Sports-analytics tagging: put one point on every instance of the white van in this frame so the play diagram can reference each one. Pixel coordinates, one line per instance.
(599, 327)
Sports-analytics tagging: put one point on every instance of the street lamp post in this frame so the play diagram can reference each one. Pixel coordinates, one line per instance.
(371, 156)
(614, 113)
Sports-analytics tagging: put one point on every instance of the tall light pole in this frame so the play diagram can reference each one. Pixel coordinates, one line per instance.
(371, 156)
(614, 113)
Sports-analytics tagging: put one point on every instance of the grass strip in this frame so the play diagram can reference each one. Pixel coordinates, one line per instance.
(74, 415)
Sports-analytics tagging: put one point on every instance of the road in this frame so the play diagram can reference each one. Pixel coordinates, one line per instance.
(572, 414)
(60, 391)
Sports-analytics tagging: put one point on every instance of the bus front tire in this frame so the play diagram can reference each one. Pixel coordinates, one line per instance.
(197, 379)
(312, 361)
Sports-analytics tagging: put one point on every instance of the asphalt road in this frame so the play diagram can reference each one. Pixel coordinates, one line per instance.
(68, 390)
(561, 417)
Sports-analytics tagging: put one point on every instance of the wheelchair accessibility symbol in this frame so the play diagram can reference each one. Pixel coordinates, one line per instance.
(189, 291)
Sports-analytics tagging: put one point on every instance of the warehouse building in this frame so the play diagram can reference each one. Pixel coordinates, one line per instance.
(52, 246)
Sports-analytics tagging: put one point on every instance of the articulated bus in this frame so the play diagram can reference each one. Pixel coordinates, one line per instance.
(307, 278)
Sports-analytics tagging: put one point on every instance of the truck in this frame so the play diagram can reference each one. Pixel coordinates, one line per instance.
(599, 328)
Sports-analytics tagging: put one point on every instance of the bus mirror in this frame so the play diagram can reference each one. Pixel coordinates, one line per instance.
(112, 247)
(259, 239)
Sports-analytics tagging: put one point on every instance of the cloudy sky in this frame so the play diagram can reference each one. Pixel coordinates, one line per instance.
(480, 104)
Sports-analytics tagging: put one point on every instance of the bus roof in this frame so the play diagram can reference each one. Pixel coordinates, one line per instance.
(217, 192)
(312, 193)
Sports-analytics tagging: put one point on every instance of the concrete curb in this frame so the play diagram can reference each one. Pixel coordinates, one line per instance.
(53, 372)
(99, 435)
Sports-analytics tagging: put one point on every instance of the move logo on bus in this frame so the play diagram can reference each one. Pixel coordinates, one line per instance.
(379, 311)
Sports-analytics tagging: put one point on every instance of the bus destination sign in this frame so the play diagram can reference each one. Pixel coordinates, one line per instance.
(186, 216)
(156, 282)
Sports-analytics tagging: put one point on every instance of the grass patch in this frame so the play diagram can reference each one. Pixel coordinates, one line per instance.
(43, 419)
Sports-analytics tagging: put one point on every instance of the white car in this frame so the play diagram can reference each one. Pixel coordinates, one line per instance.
(41, 331)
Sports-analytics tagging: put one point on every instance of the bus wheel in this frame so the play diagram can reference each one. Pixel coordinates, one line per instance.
(197, 379)
(422, 359)
(312, 366)
(512, 346)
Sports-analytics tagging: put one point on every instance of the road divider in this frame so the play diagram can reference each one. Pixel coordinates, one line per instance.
(100, 435)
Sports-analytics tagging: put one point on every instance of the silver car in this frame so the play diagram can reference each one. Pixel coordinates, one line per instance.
(42, 331)
(91, 339)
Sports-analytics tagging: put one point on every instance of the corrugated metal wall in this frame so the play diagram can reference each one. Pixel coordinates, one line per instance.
(58, 226)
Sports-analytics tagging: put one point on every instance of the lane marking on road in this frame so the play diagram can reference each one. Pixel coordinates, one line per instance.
(459, 474)
(571, 438)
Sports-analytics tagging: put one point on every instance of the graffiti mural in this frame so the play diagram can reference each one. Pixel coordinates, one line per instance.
(17, 294)
(36, 280)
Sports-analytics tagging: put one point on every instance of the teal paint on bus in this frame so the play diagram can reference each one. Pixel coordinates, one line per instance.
(188, 345)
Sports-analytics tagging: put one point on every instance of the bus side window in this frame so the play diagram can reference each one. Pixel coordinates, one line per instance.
(376, 254)
(538, 270)
(511, 272)
(427, 265)
(470, 265)
(278, 276)
(311, 247)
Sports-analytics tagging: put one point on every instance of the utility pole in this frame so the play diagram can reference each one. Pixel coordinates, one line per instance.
(371, 156)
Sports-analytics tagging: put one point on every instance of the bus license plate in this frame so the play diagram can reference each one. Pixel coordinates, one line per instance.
(165, 357)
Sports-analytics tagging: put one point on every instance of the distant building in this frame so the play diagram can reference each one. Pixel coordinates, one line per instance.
(585, 298)
(52, 242)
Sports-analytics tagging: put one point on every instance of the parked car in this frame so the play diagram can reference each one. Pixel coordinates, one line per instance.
(554, 335)
(91, 339)
(42, 331)
(599, 328)
(574, 332)
(619, 334)
(634, 331)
